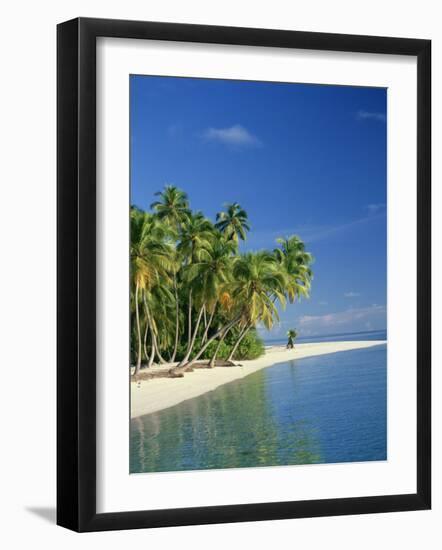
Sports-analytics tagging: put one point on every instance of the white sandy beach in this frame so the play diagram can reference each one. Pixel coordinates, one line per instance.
(148, 396)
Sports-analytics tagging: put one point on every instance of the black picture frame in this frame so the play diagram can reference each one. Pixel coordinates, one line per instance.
(76, 274)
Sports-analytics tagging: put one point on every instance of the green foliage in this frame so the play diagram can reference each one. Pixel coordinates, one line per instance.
(223, 352)
(193, 294)
(251, 347)
(258, 283)
(233, 223)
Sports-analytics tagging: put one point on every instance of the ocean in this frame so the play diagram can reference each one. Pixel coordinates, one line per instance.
(336, 337)
(326, 409)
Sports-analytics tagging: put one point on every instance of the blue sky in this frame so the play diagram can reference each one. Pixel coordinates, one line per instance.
(301, 159)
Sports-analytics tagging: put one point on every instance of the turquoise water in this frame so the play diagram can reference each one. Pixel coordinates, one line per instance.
(323, 409)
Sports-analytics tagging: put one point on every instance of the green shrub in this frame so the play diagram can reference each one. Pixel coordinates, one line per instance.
(251, 346)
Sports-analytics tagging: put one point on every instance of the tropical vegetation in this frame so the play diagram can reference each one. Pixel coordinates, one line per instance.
(194, 295)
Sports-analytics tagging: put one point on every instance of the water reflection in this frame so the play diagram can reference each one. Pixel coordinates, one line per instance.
(232, 427)
(326, 409)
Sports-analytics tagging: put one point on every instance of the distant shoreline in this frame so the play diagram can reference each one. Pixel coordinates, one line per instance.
(149, 396)
(340, 337)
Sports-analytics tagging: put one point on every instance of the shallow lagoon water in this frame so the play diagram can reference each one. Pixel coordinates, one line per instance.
(325, 409)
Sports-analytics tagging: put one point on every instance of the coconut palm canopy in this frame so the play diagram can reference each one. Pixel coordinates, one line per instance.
(193, 294)
(233, 222)
(172, 206)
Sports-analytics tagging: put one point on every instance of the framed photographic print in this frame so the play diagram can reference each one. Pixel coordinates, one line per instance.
(243, 274)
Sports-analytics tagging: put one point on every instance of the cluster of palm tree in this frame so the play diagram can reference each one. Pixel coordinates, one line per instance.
(191, 287)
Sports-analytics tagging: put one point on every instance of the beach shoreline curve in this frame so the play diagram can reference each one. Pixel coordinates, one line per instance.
(150, 396)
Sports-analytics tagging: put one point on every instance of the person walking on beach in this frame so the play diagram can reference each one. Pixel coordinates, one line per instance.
(292, 334)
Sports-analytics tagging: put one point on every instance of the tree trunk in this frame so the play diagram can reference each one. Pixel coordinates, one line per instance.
(160, 357)
(137, 313)
(192, 342)
(189, 321)
(221, 340)
(237, 343)
(179, 369)
(152, 353)
(208, 325)
(145, 341)
(177, 321)
(152, 333)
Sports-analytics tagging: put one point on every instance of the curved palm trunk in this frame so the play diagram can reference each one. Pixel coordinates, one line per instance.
(221, 340)
(189, 321)
(181, 368)
(157, 351)
(152, 353)
(145, 341)
(177, 321)
(214, 337)
(208, 325)
(137, 314)
(238, 342)
(153, 336)
(192, 342)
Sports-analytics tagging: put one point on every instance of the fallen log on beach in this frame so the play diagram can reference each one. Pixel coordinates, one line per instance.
(149, 375)
(174, 372)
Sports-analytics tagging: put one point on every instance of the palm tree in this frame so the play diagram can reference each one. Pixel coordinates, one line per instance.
(228, 324)
(212, 270)
(233, 223)
(177, 258)
(296, 262)
(157, 306)
(221, 264)
(258, 282)
(194, 245)
(189, 285)
(196, 236)
(230, 309)
(206, 279)
(291, 334)
(173, 206)
(150, 263)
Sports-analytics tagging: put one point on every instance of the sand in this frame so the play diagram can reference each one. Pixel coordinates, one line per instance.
(150, 396)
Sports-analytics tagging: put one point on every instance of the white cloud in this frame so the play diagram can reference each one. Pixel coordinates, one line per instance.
(372, 317)
(309, 233)
(353, 318)
(351, 294)
(236, 135)
(366, 115)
